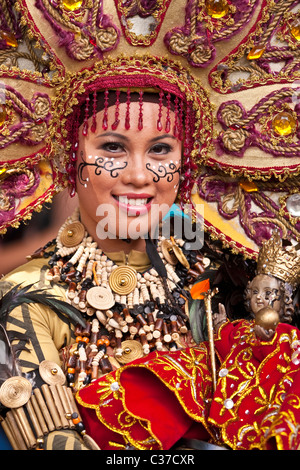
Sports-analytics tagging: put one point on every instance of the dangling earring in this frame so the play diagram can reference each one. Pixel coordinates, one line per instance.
(175, 131)
(94, 124)
(180, 124)
(70, 168)
(85, 127)
(168, 120)
(189, 166)
(159, 122)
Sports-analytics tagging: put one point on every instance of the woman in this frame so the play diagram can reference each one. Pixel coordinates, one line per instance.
(122, 131)
(130, 286)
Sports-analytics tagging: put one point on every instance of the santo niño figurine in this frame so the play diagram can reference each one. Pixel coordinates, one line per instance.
(269, 296)
(259, 364)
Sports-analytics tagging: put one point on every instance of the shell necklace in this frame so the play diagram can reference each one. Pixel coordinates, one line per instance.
(125, 304)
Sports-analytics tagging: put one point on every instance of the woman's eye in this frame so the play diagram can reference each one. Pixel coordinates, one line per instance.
(113, 147)
(160, 149)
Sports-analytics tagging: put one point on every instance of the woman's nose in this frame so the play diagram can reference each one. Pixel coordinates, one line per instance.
(136, 172)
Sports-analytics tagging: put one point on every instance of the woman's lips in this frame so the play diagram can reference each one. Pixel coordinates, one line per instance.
(134, 204)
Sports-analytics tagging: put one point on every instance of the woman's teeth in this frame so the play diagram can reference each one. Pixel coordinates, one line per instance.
(133, 202)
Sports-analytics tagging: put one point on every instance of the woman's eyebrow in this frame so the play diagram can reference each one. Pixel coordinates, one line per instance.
(124, 137)
(163, 136)
(113, 134)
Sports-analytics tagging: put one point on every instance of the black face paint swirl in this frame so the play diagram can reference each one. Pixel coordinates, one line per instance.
(100, 164)
(163, 172)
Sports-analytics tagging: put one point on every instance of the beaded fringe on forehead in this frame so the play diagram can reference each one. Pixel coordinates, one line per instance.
(181, 128)
(101, 101)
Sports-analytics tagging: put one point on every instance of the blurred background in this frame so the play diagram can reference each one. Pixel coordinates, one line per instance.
(18, 243)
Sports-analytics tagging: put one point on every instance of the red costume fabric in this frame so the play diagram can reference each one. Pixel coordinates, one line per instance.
(150, 403)
(254, 405)
(153, 402)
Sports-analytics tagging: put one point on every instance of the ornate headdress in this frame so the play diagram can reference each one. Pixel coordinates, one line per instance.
(233, 66)
(276, 260)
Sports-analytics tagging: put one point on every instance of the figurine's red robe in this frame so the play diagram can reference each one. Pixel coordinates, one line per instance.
(153, 402)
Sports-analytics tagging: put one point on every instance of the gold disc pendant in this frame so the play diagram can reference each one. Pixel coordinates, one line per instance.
(72, 234)
(123, 280)
(131, 350)
(15, 392)
(51, 373)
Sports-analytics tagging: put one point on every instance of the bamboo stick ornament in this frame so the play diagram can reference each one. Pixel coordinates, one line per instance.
(22, 422)
(51, 406)
(44, 409)
(34, 419)
(39, 415)
(18, 438)
(74, 408)
(59, 405)
(9, 434)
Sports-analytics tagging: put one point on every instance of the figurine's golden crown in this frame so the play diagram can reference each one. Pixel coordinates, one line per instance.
(276, 260)
(236, 62)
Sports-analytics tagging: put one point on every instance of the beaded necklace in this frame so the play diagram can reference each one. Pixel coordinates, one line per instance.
(127, 313)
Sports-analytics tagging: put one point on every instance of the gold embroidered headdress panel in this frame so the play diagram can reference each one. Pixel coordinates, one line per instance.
(233, 66)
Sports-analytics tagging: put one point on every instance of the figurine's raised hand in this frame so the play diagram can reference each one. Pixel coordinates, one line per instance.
(219, 318)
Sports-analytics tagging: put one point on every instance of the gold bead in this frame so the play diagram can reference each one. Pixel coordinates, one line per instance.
(72, 5)
(217, 8)
(295, 29)
(70, 233)
(256, 52)
(284, 123)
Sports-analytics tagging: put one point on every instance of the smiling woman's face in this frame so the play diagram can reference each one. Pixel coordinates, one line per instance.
(127, 179)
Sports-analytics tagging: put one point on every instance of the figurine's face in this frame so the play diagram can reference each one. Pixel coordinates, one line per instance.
(263, 290)
(128, 179)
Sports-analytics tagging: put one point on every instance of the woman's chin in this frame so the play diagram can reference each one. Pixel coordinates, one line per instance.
(133, 231)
